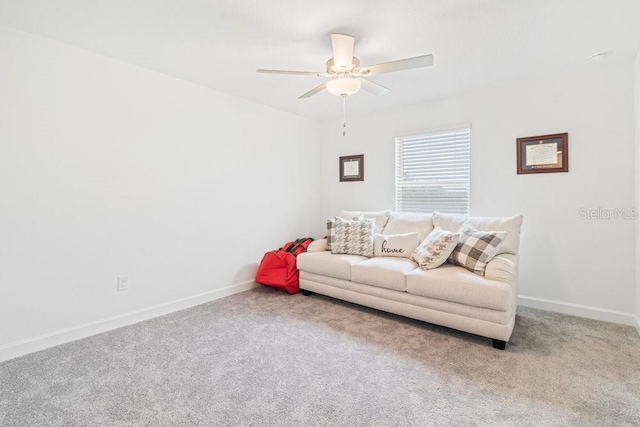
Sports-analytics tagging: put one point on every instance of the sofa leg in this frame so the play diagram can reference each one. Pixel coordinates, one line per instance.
(500, 345)
(305, 292)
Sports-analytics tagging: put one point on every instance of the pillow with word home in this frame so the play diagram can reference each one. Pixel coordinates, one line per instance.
(395, 245)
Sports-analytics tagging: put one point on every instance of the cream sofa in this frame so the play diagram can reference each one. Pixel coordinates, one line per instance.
(449, 295)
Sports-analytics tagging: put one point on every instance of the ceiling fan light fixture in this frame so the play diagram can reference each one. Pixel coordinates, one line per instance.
(343, 86)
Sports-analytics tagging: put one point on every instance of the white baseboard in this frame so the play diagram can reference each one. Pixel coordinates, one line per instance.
(579, 310)
(20, 348)
(638, 325)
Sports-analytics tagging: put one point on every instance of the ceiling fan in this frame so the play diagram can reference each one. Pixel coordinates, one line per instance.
(347, 76)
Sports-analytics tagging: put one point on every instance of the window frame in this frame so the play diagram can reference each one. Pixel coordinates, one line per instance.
(459, 135)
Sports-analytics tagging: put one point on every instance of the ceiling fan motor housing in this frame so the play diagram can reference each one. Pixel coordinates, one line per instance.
(332, 69)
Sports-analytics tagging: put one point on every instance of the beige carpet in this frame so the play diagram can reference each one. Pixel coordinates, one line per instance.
(266, 358)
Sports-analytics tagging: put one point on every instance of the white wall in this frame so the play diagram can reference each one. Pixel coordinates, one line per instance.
(108, 169)
(637, 158)
(567, 264)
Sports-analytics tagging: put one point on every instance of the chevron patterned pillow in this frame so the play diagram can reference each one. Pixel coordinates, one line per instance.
(354, 237)
(331, 230)
(435, 249)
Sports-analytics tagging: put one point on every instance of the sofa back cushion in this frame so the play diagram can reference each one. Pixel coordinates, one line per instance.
(511, 225)
(396, 245)
(449, 222)
(380, 218)
(402, 223)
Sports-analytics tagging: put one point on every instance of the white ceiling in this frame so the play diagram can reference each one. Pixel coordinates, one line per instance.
(220, 43)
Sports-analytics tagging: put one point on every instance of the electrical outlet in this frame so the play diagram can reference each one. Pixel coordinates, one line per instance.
(123, 283)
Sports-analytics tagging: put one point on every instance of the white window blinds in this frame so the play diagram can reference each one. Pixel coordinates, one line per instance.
(432, 172)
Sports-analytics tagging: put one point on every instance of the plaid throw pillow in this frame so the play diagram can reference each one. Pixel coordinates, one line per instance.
(476, 248)
(331, 230)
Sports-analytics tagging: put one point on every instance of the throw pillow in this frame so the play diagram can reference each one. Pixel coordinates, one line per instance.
(397, 245)
(476, 248)
(435, 249)
(354, 237)
(331, 230)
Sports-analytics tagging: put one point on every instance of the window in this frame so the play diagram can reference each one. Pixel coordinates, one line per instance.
(432, 172)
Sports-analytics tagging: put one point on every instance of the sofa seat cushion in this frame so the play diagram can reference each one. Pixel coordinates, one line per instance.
(384, 272)
(456, 284)
(328, 264)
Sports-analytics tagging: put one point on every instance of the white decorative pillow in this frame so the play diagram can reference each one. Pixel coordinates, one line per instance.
(476, 248)
(435, 249)
(354, 237)
(398, 245)
(331, 230)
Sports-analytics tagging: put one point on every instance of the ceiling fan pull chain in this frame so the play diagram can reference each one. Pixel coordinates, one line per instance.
(344, 115)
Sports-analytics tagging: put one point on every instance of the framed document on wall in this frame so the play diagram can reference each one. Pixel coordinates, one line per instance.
(540, 154)
(352, 168)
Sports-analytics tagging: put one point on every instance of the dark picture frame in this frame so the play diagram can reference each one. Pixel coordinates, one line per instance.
(352, 168)
(543, 154)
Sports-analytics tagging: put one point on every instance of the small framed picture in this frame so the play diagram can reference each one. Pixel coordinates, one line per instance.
(352, 168)
(540, 154)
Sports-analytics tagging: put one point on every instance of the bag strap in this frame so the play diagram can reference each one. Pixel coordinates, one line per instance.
(291, 246)
(299, 242)
(288, 248)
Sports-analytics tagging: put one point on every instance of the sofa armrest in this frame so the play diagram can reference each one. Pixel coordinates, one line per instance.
(503, 267)
(318, 246)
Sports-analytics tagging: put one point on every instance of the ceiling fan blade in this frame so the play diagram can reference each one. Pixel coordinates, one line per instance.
(342, 51)
(372, 87)
(313, 91)
(399, 65)
(301, 73)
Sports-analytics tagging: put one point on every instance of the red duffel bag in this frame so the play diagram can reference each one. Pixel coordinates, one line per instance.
(278, 268)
